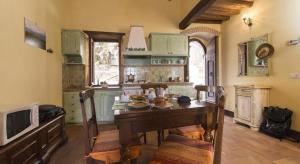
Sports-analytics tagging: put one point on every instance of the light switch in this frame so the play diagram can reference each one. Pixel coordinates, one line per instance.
(294, 75)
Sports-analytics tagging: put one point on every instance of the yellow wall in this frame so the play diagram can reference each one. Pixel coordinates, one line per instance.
(29, 74)
(281, 19)
(118, 15)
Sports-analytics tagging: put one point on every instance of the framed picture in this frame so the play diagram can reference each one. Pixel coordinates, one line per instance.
(34, 35)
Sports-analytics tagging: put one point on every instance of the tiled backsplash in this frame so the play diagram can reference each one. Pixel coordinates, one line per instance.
(73, 76)
(155, 73)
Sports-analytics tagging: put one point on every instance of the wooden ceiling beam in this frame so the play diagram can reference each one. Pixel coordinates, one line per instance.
(208, 21)
(222, 11)
(234, 4)
(200, 8)
(245, 3)
(214, 17)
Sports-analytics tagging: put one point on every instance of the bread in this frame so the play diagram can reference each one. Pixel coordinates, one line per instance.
(160, 101)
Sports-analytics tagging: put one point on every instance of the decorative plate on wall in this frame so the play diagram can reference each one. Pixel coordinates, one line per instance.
(265, 50)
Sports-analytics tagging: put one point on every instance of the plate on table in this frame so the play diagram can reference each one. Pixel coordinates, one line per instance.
(164, 106)
(138, 104)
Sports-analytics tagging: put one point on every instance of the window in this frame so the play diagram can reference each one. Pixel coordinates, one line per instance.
(105, 52)
(196, 62)
(106, 63)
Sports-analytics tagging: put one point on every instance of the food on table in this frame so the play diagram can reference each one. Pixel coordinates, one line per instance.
(160, 101)
(138, 104)
(138, 97)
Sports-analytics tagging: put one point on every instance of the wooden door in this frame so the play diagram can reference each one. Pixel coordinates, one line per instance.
(211, 67)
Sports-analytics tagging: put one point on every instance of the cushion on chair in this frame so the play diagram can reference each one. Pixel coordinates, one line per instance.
(182, 150)
(194, 131)
(107, 147)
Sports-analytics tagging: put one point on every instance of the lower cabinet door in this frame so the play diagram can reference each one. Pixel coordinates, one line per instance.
(108, 99)
(244, 107)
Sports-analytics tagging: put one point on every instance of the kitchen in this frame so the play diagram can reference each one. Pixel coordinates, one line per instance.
(57, 53)
(115, 66)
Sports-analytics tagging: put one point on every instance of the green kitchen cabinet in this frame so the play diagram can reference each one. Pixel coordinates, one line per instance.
(103, 103)
(178, 45)
(159, 44)
(169, 44)
(73, 108)
(73, 44)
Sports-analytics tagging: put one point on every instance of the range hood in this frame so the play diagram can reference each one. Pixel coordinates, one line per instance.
(137, 40)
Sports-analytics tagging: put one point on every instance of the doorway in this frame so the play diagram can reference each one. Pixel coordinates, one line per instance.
(196, 62)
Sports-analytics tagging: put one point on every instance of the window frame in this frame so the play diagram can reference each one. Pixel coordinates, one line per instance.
(97, 36)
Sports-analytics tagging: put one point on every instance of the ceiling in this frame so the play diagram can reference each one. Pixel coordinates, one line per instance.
(214, 11)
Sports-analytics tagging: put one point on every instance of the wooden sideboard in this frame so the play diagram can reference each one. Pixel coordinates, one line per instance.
(37, 145)
(250, 101)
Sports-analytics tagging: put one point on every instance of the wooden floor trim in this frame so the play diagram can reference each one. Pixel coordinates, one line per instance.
(229, 113)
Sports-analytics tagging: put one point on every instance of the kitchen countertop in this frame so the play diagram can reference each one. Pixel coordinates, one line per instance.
(116, 88)
(168, 83)
(119, 88)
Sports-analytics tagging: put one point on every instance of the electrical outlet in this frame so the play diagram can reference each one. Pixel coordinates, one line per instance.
(294, 75)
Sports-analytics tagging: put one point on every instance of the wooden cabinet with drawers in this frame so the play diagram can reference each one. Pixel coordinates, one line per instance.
(37, 145)
(249, 103)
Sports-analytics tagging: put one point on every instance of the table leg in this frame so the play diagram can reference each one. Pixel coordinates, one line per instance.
(158, 137)
(209, 118)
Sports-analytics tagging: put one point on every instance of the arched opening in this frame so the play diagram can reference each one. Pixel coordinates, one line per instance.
(196, 64)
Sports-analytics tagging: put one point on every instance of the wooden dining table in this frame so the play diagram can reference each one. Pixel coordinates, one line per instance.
(131, 122)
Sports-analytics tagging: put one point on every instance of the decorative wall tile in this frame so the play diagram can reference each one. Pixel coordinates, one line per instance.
(155, 73)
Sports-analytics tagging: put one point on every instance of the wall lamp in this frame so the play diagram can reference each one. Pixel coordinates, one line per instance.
(247, 20)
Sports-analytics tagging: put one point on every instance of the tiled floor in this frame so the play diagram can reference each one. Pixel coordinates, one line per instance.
(240, 146)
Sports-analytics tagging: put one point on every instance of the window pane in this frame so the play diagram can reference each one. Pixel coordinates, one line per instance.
(106, 62)
(196, 63)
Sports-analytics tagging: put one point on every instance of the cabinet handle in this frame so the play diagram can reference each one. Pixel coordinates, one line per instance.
(72, 104)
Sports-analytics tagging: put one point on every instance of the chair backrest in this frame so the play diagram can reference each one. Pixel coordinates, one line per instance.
(205, 88)
(219, 123)
(89, 124)
(154, 86)
(200, 88)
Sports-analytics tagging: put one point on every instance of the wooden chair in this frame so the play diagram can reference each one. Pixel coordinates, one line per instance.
(193, 131)
(103, 146)
(155, 86)
(184, 150)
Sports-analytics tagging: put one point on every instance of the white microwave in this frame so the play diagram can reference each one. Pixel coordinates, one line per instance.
(18, 121)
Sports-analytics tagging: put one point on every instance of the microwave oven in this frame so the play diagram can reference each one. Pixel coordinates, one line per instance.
(18, 121)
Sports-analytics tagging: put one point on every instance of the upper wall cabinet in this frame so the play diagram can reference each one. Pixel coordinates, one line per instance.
(169, 44)
(73, 45)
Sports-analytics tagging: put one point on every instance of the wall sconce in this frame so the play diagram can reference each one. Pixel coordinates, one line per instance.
(247, 20)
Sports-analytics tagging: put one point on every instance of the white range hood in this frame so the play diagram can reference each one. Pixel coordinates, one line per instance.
(137, 40)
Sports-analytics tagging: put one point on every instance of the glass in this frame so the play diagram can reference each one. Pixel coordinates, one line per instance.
(117, 98)
(106, 62)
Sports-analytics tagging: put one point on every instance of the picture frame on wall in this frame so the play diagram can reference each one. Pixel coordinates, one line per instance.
(34, 35)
